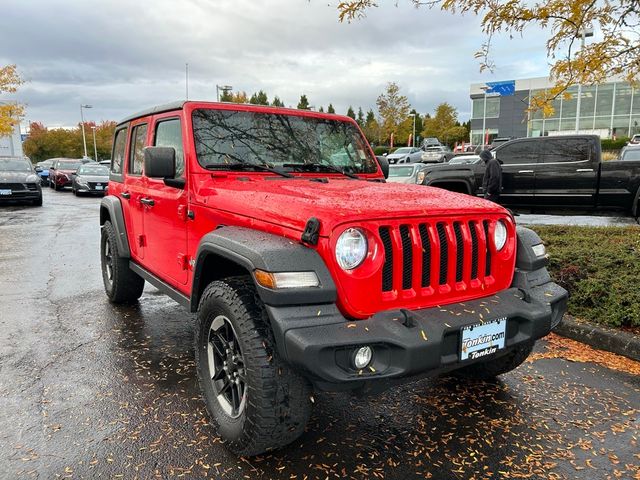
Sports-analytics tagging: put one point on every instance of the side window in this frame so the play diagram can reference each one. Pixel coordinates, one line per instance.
(169, 134)
(117, 156)
(524, 152)
(558, 150)
(136, 152)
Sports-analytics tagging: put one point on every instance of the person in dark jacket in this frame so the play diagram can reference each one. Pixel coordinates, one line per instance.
(492, 180)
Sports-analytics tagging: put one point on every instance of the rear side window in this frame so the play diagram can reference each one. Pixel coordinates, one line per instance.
(136, 152)
(559, 150)
(169, 134)
(119, 145)
(518, 153)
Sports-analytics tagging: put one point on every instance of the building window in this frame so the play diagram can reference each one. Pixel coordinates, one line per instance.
(493, 108)
(476, 135)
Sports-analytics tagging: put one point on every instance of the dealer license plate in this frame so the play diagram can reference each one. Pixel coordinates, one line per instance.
(5, 192)
(99, 187)
(483, 339)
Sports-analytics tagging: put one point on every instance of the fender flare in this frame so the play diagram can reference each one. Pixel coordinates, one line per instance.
(635, 205)
(111, 209)
(254, 249)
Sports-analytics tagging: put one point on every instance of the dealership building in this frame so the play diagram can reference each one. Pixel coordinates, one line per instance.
(611, 110)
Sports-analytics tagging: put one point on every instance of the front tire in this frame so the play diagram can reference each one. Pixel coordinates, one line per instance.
(490, 369)
(121, 284)
(256, 401)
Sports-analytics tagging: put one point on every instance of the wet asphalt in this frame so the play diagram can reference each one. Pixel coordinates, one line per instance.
(93, 390)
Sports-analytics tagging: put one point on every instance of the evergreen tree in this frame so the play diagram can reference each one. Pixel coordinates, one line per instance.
(351, 113)
(277, 102)
(303, 104)
(360, 118)
(259, 98)
(330, 109)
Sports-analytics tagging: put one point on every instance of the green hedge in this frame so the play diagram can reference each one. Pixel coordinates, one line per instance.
(381, 150)
(600, 267)
(610, 144)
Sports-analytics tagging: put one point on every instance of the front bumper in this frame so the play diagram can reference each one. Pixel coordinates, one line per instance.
(320, 342)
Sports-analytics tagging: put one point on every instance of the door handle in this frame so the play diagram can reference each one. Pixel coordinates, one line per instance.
(584, 170)
(126, 195)
(525, 171)
(147, 201)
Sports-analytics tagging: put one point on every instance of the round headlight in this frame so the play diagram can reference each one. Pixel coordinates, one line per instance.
(500, 235)
(351, 248)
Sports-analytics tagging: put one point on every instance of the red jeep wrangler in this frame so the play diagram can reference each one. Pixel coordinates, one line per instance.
(306, 269)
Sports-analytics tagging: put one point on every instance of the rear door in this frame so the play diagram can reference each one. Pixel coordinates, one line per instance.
(566, 177)
(134, 185)
(166, 209)
(519, 160)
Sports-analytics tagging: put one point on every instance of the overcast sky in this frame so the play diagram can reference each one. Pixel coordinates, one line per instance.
(122, 56)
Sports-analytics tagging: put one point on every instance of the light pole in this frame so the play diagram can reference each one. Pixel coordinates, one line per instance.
(95, 147)
(84, 139)
(223, 88)
(484, 88)
(413, 138)
(583, 33)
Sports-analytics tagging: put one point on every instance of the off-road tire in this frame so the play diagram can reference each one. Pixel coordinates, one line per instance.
(124, 286)
(492, 368)
(278, 400)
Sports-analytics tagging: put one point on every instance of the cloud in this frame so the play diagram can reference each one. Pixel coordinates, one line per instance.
(123, 56)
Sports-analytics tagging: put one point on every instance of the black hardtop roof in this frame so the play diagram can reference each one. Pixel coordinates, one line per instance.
(167, 107)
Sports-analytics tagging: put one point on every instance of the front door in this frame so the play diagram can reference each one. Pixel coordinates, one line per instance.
(519, 160)
(166, 209)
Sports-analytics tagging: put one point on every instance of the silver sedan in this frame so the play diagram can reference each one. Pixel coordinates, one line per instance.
(405, 155)
(414, 173)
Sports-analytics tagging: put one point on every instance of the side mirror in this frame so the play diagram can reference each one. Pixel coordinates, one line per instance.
(160, 162)
(384, 165)
(385, 154)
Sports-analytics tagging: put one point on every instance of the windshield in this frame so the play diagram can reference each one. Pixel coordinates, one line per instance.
(631, 154)
(400, 171)
(93, 170)
(14, 165)
(45, 163)
(236, 137)
(69, 165)
(403, 150)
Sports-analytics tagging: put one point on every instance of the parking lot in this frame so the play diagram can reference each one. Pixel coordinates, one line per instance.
(92, 390)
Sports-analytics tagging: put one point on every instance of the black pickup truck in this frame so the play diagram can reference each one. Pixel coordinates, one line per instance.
(562, 172)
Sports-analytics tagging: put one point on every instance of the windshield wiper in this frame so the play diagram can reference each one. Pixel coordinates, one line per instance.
(262, 167)
(319, 167)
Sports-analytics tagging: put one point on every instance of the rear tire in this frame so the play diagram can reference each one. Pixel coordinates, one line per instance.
(490, 369)
(121, 284)
(258, 403)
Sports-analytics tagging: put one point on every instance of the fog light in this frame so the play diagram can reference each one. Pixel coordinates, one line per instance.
(362, 358)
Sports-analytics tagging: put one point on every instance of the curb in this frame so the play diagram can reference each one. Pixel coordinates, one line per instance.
(603, 338)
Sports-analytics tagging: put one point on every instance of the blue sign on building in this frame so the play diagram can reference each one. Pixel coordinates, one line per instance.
(503, 89)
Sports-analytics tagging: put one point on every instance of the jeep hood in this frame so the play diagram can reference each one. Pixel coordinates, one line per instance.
(292, 202)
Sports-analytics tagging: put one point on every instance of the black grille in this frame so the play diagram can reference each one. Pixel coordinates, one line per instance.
(387, 268)
(457, 229)
(487, 271)
(407, 257)
(444, 253)
(426, 255)
(12, 186)
(474, 250)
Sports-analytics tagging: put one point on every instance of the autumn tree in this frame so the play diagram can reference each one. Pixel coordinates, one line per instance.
(393, 109)
(444, 125)
(259, 98)
(10, 112)
(614, 52)
(234, 97)
(277, 102)
(303, 104)
(43, 143)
